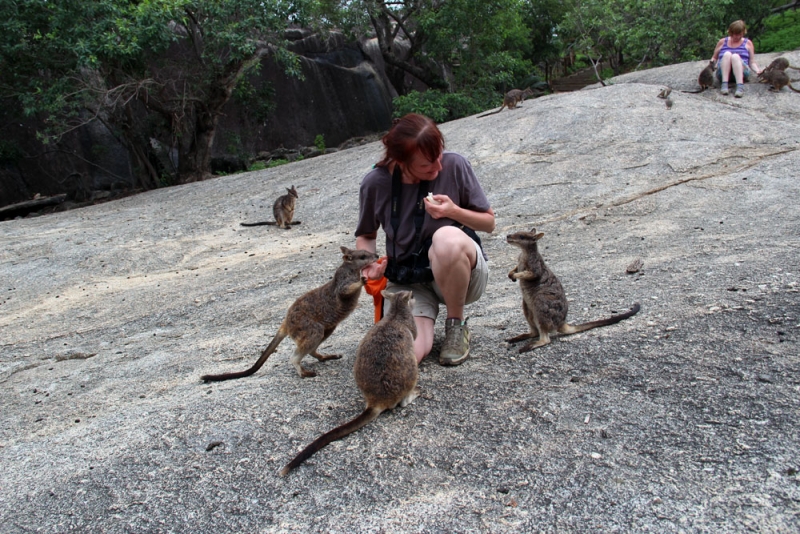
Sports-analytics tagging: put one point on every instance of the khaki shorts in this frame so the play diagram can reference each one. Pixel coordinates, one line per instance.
(427, 296)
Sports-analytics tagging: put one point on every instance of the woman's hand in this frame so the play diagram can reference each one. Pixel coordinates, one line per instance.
(439, 206)
(375, 270)
(442, 206)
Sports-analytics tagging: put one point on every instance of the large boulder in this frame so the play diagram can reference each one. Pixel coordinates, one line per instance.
(682, 418)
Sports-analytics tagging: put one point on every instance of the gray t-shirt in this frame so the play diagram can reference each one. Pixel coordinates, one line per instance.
(457, 180)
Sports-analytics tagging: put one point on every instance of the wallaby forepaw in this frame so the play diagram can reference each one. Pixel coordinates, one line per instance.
(305, 373)
(409, 398)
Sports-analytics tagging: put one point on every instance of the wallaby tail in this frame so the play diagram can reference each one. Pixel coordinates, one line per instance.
(490, 113)
(256, 366)
(792, 88)
(574, 329)
(264, 223)
(337, 433)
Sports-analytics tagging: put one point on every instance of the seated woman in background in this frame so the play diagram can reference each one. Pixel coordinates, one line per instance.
(736, 54)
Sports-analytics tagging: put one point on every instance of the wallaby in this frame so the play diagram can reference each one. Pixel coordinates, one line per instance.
(314, 316)
(543, 300)
(385, 371)
(511, 99)
(779, 63)
(778, 79)
(283, 210)
(706, 78)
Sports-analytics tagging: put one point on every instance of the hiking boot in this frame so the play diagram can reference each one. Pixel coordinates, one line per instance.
(456, 342)
(724, 88)
(739, 92)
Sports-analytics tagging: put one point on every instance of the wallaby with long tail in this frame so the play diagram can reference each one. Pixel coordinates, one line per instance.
(511, 99)
(314, 316)
(543, 300)
(705, 79)
(385, 371)
(282, 210)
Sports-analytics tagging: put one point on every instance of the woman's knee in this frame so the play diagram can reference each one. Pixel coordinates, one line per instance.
(452, 242)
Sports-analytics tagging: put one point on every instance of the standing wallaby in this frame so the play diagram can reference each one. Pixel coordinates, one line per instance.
(778, 79)
(385, 371)
(543, 300)
(706, 78)
(314, 316)
(511, 99)
(283, 210)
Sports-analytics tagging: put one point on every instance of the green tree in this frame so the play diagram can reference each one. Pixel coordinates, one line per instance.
(450, 45)
(650, 32)
(150, 69)
(545, 46)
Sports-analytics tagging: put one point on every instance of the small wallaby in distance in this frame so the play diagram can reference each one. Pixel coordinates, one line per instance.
(282, 210)
(385, 371)
(706, 78)
(314, 316)
(511, 99)
(543, 300)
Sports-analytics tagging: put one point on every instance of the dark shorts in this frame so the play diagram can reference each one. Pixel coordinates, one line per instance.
(746, 74)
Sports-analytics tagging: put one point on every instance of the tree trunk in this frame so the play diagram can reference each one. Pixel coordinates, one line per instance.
(195, 164)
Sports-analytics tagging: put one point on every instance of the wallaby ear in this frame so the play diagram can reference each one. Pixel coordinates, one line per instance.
(533, 230)
(538, 236)
(387, 295)
(347, 253)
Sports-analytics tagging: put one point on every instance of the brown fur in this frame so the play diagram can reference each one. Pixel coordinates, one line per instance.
(706, 78)
(780, 63)
(282, 210)
(665, 92)
(314, 316)
(385, 371)
(778, 79)
(543, 300)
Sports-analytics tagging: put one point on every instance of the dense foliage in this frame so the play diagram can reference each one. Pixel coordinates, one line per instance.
(158, 72)
(781, 32)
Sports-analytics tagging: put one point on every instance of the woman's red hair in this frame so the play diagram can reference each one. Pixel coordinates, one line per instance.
(411, 134)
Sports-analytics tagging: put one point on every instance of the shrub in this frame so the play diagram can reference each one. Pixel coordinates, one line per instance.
(781, 32)
(319, 142)
(257, 166)
(439, 106)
